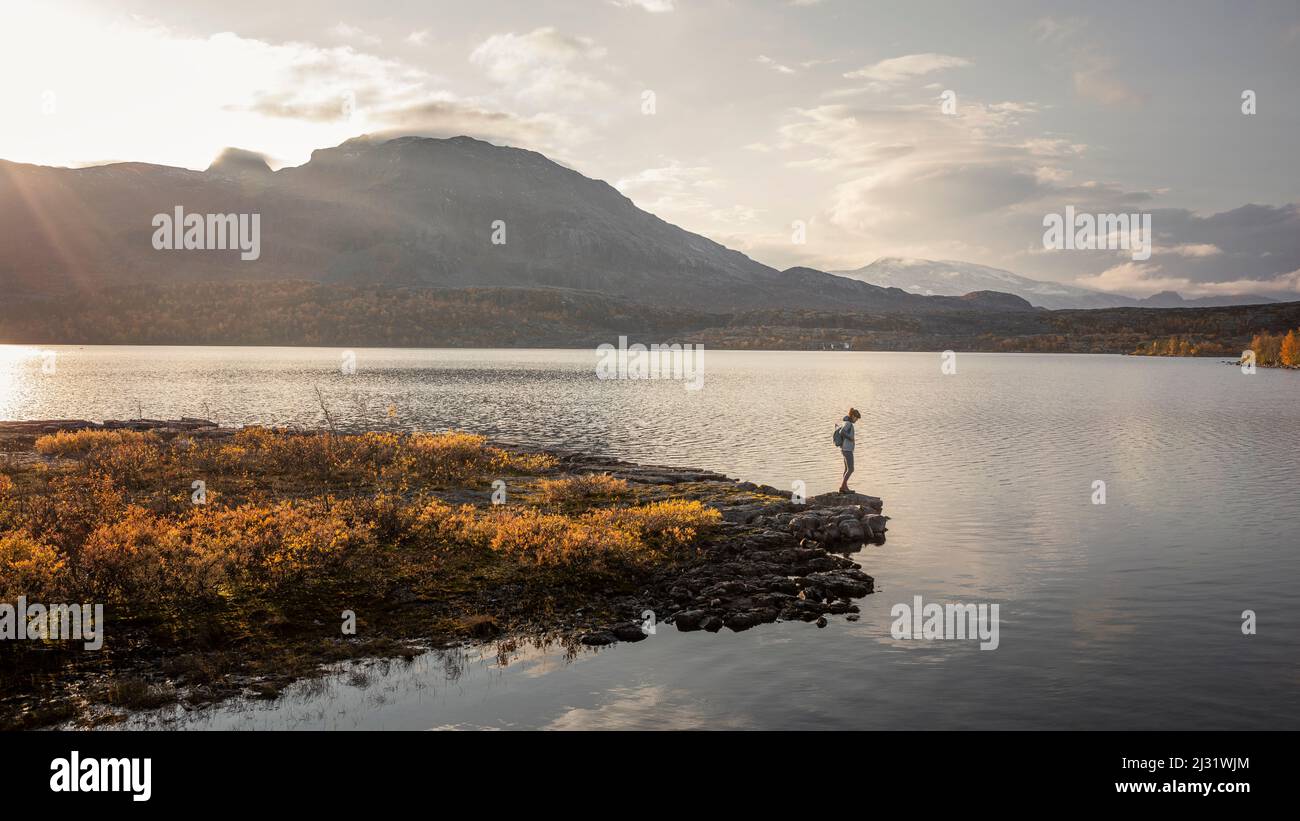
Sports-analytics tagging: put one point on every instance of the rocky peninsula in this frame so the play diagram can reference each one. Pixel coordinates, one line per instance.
(426, 540)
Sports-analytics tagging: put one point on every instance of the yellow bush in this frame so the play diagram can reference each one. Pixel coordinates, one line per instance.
(551, 539)
(271, 451)
(71, 507)
(29, 568)
(142, 558)
(672, 524)
(282, 543)
(580, 488)
(221, 459)
(438, 521)
(456, 455)
(6, 501)
(117, 525)
(131, 463)
(523, 462)
(392, 517)
(81, 442)
(128, 456)
(392, 457)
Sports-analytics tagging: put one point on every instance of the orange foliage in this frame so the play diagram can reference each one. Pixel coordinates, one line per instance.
(29, 568)
(287, 511)
(634, 534)
(1290, 350)
(82, 442)
(580, 488)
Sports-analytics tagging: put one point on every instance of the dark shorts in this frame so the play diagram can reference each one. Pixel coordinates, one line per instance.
(848, 459)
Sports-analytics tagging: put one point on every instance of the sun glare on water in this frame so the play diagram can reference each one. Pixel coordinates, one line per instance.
(19, 364)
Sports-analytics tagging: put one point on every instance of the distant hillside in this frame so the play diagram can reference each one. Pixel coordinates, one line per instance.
(312, 313)
(954, 278)
(404, 212)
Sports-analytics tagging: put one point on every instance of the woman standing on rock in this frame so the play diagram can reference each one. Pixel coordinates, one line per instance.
(846, 446)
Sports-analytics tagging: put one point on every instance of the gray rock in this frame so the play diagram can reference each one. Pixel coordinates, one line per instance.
(629, 631)
(688, 620)
(840, 584)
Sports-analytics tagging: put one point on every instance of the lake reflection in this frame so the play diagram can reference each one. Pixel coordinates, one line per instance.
(1122, 615)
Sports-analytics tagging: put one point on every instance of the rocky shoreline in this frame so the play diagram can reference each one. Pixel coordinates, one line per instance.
(770, 558)
(773, 560)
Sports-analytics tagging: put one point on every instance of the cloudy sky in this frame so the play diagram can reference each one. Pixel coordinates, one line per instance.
(737, 119)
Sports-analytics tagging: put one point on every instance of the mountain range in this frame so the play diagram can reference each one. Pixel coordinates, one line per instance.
(409, 211)
(953, 277)
(447, 213)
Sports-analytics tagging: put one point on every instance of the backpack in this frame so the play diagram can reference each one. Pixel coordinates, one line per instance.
(838, 436)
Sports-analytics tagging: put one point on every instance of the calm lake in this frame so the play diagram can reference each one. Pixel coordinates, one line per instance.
(1120, 615)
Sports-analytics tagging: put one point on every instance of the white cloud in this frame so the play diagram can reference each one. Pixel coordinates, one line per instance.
(670, 189)
(418, 38)
(1193, 250)
(281, 99)
(897, 70)
(652, 6)
(1136, 278)
(344, 31)
(542, 66)
(1145, 279)
(1054, 147)
(774, 65)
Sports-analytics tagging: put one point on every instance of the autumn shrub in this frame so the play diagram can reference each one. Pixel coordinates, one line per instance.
(29, 568)
(129, 457)
(551, 539)
(117, 524)
(218, 459)
(634, 535)
(273, 546)
(393, 517)
(73, 443)
(671, 524)
(521, 533)
(142, 558)
(444, 525)
(385, 457)
(575, 489)
(133, 463)
(8, 502)
(270, 451)
(70, 507)
(458, 456)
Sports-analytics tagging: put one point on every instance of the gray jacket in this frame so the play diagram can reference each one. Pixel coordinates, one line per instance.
(847, 430)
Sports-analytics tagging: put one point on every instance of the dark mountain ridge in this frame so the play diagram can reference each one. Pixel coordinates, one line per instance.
(410, 211)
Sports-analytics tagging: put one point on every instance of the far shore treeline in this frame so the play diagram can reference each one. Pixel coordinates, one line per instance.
(1271, 350)
(1277, 350)
(299, 313)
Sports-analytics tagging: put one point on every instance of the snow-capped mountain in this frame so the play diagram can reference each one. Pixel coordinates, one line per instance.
(952, 278)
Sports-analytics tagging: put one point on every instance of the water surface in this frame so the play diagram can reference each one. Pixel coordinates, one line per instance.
(1122, 615)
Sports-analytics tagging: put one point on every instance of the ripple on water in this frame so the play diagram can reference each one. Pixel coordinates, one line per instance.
(1118, 615)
